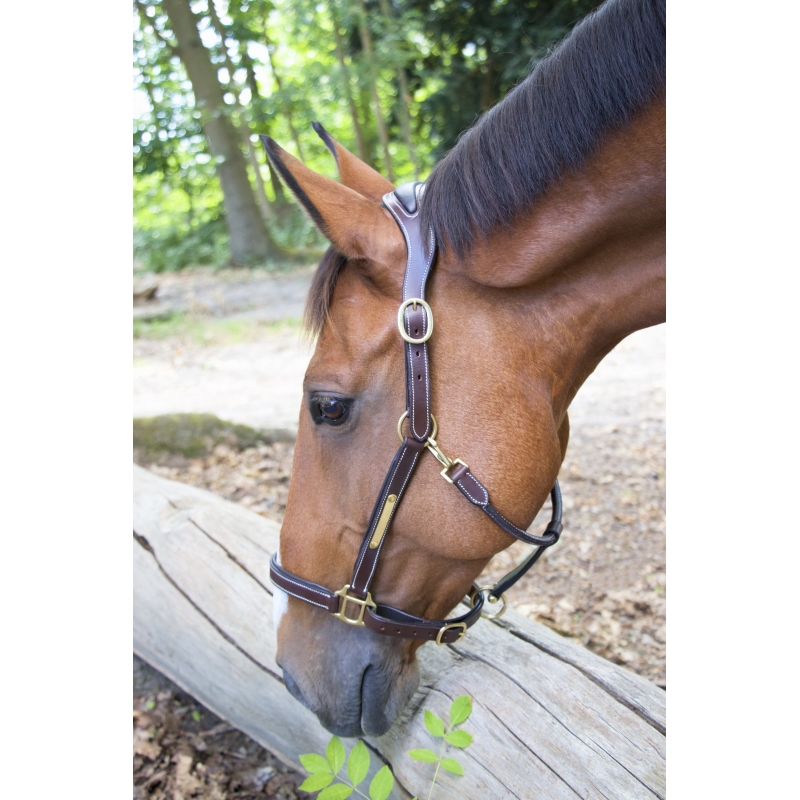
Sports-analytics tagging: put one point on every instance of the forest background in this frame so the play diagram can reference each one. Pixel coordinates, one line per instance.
(395, 81)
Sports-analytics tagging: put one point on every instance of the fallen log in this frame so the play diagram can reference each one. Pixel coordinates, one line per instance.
(551, 720)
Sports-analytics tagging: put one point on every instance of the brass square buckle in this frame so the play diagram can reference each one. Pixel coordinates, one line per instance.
(346, 598)
(462, 625)
(455, 461)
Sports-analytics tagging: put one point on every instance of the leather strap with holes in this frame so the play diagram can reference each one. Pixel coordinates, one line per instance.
(353, 603)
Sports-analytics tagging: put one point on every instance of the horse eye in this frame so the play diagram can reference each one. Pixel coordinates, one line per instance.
(332, 409)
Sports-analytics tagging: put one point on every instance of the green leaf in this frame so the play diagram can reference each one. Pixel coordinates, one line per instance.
(461, 709)
(423, 754)
(459, 738)
(434, 725)
(317, 781)
(196, 715)
(451, 765)
(358, 763)
(382, 784)
(336, 792)
(335, 754)
(314, 763)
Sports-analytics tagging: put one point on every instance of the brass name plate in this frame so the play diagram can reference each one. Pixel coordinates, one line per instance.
(383, 521)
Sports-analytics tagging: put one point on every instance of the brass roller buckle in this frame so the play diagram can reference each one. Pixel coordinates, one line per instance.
(401, 322)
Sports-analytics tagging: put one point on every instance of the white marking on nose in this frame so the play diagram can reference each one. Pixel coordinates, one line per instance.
(280, 604)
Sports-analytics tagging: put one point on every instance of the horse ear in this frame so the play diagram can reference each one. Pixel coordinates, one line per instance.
(355, 226)
(353, 172)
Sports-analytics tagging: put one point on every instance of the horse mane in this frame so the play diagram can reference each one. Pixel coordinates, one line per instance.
(611, 65)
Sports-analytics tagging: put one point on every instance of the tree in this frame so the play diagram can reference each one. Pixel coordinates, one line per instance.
(372, 78)
(249, 240)
(481, 50)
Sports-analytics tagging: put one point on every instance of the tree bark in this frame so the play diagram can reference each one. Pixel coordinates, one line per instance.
(348, 89)
(369, 55)
(550, 718)
(249, 240)
(405, 97)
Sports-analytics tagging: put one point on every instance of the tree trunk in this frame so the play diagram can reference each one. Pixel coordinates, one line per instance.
(363, 103)
(244, 122)
(550, 718)
(249, 239)
(348, 89)
(405, 97)
(369, 55)
(260, 120)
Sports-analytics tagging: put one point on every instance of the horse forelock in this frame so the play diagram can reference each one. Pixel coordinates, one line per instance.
(320, 293)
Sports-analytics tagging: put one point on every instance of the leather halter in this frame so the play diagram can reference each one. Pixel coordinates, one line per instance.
(353, 603)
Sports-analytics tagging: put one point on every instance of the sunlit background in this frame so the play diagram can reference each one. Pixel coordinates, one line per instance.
(395, 82)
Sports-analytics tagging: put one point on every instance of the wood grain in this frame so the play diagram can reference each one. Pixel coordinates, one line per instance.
(550, 718)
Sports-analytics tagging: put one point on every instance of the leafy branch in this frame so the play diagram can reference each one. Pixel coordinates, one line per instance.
(324, 770)
(460, 710)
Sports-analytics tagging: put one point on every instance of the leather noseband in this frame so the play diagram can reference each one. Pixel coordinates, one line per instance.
(353, 603)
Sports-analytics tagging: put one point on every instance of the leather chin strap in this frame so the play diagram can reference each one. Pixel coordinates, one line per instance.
(353, 603)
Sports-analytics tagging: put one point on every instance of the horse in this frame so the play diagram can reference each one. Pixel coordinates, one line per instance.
(548, 218)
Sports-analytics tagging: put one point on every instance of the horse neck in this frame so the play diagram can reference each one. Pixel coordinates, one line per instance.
(586, 267)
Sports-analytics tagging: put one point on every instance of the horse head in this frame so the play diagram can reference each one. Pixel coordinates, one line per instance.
(538, 281)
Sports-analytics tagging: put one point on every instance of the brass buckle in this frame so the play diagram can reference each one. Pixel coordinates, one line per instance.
(446, 462)
(368, 601)
(401, 322)
(462, 625)
(490, 599)
(434, 448)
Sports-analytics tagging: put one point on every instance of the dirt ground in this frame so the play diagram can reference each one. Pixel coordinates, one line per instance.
(182, 750)
(604, 583)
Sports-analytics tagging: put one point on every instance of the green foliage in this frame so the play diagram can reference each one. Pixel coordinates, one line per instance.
(459, 58)
(381, 786)
(460, 709)
(317, 782)
(325, 770)
(423, 754)
(451, 765)
(358, 763)
(175, 245)
(434, 725)
(335, 754)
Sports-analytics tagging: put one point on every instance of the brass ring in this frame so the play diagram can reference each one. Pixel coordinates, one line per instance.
(491, 599)
(403, 419)
(401, 322)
